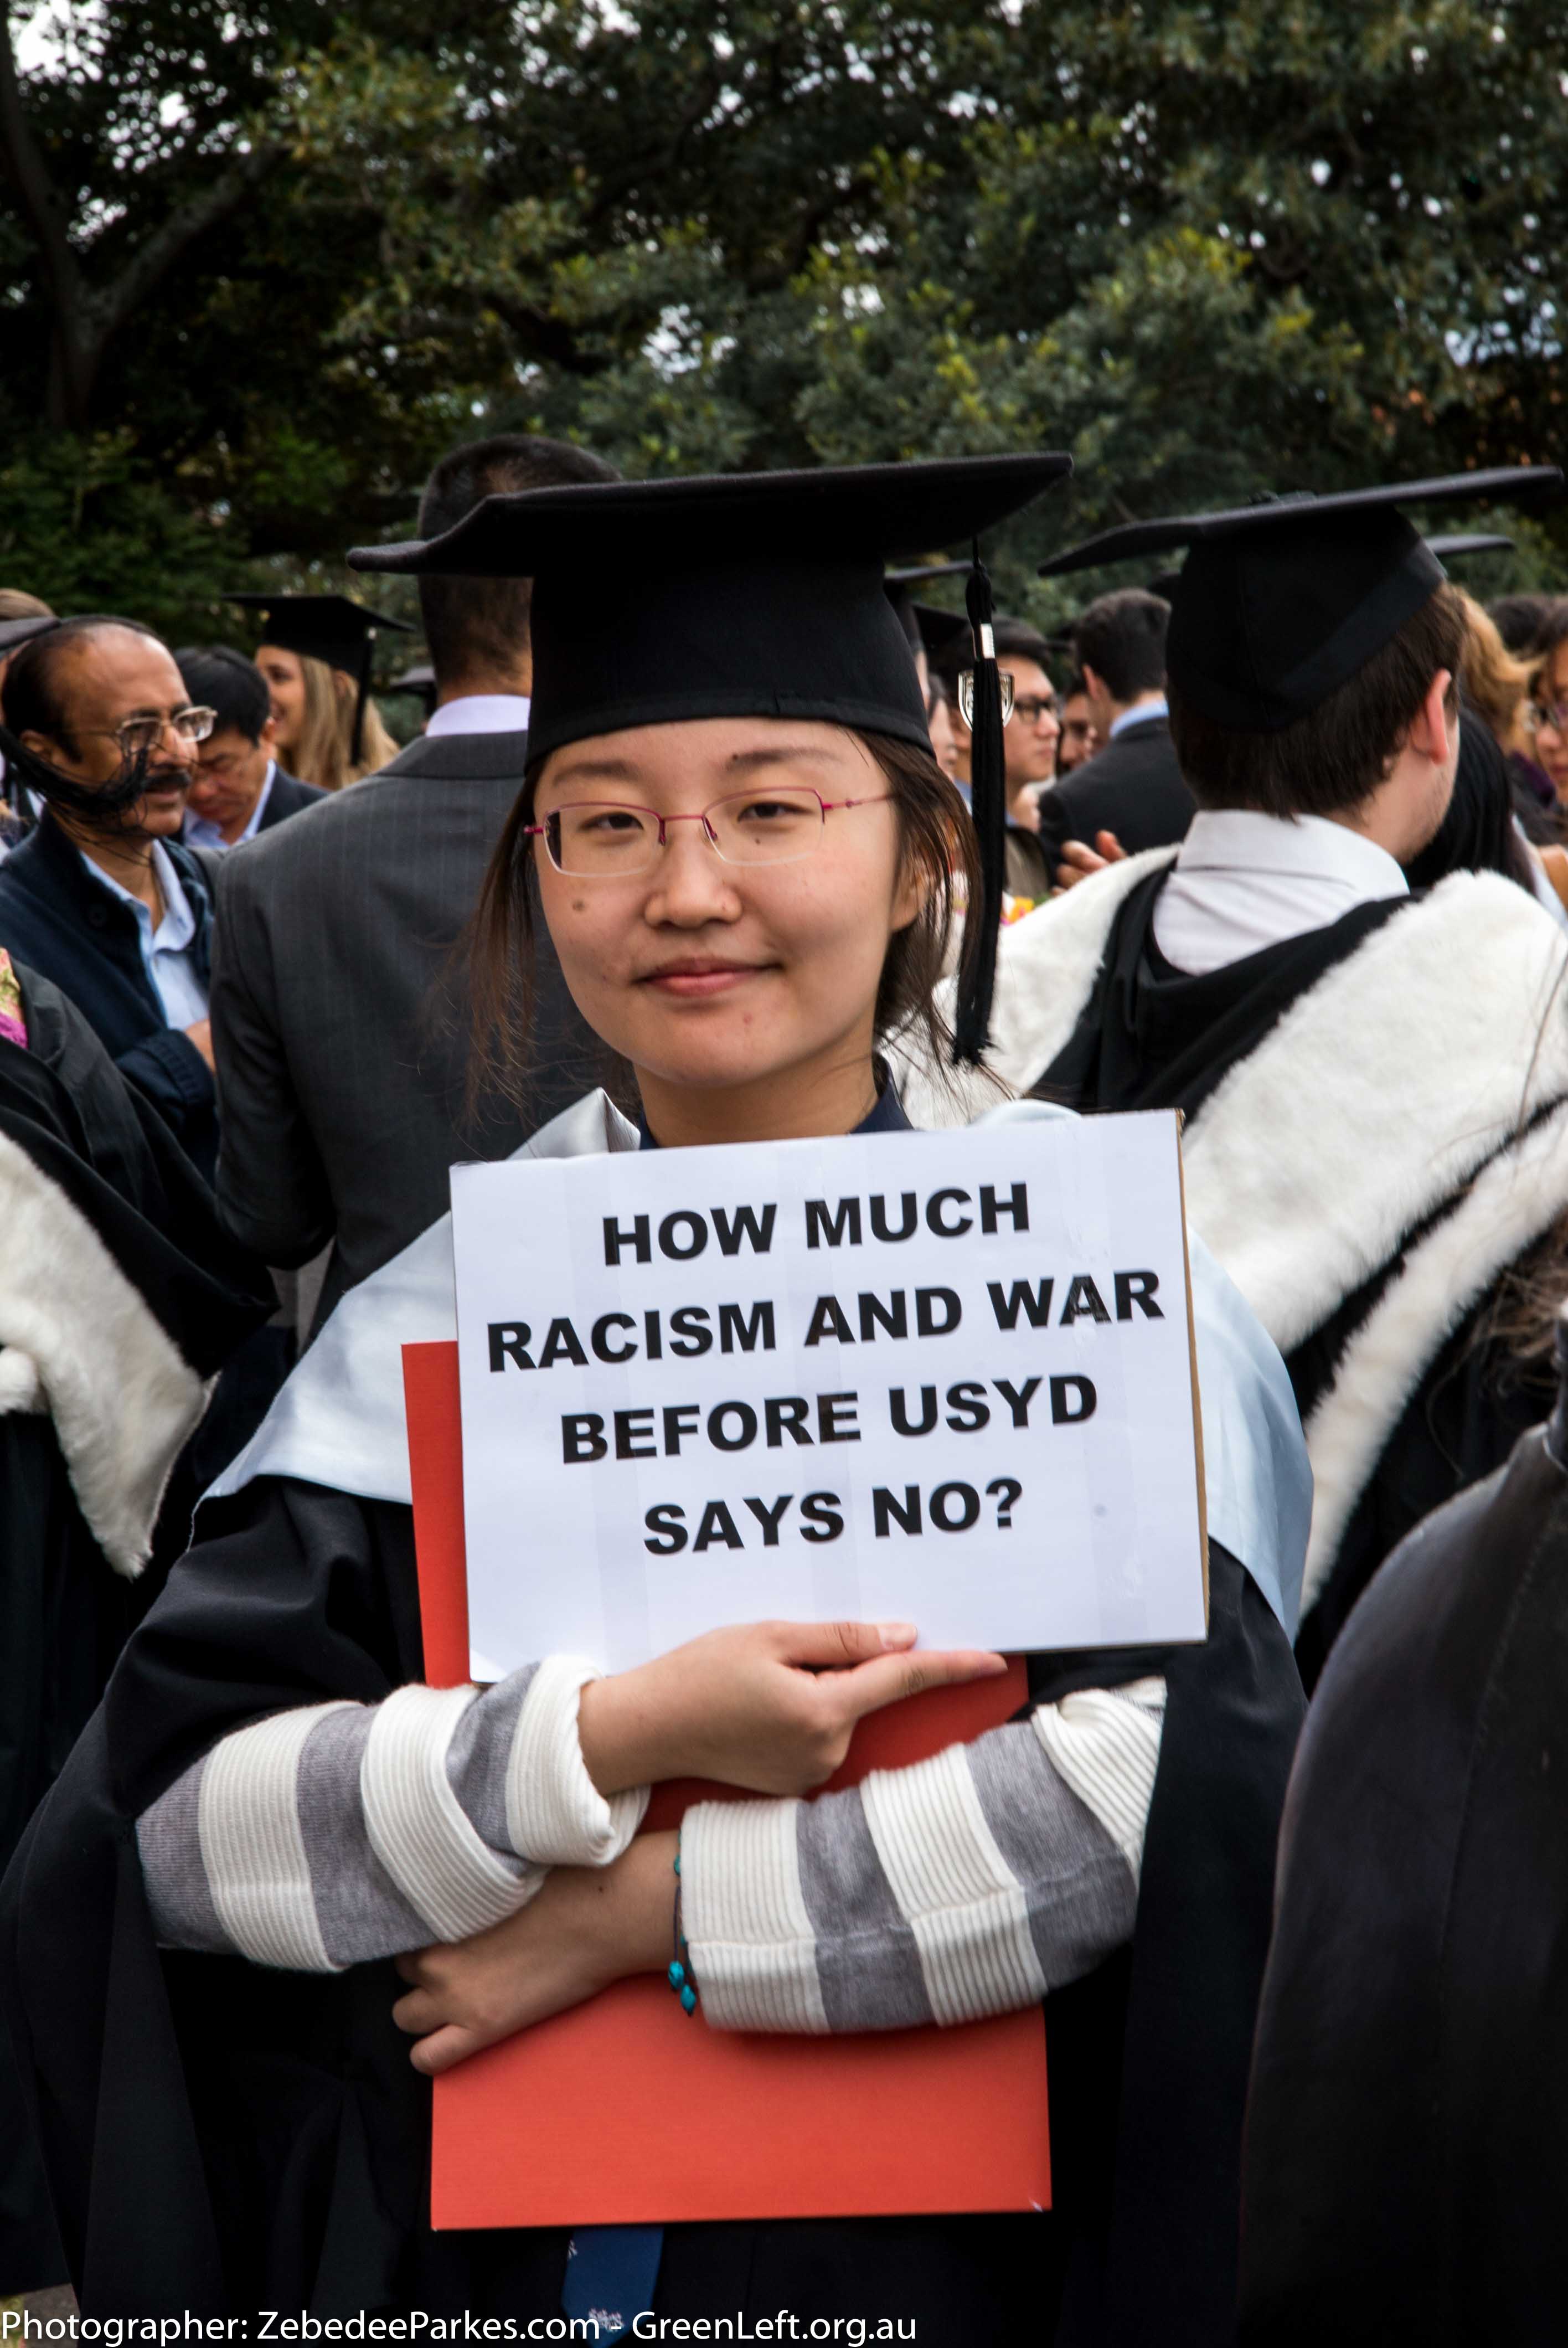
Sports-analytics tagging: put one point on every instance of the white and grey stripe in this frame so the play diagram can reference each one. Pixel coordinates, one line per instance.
(968, 1885)
(744, 1901)
(321, 1836)
(419, 1829)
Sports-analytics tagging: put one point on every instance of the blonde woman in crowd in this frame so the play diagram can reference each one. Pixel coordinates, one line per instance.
(316, 653)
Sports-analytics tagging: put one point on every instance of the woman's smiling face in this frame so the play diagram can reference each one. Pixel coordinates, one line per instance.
(749, 982)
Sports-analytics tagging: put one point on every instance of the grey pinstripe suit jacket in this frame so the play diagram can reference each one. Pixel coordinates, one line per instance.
(338, 1024)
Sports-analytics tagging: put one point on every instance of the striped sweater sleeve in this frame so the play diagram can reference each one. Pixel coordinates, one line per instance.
(318, 1838)
(969, 1884)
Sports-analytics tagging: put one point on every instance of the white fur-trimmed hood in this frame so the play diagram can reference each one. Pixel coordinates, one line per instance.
(1420, 1088)
(78, 1340)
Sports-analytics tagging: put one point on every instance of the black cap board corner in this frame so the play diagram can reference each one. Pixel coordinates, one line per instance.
(930, 627)
(749, 595)
(333, 628)
(15, 634)
(1446, 544)
(1279, 602)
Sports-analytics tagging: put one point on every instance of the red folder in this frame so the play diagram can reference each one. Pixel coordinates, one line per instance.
(625, 2111)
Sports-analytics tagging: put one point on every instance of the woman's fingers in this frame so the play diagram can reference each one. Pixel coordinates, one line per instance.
(417, 2012)
(891, 1677)
(841, 1643)
(445, 2048)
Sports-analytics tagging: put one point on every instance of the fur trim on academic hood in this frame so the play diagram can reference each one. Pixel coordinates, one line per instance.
(1422, 1081)
(79, 1341)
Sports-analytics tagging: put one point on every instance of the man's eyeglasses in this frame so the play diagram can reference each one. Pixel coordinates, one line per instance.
(139, 734)
(601, 840)
(1032, 707)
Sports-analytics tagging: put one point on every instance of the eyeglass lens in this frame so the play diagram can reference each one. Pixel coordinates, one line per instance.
(145, 732)
(590, 840)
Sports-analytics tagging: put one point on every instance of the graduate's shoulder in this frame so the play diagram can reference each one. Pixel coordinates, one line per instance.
(272, 1508)
(1435, 1641)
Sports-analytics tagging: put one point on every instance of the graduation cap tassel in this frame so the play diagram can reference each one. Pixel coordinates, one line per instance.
(987, 798)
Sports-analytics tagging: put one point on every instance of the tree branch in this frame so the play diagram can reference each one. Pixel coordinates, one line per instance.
(35, 189)
(189, 221)
(86, 318)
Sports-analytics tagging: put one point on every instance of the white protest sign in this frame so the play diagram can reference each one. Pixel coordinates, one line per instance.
(937, 1378)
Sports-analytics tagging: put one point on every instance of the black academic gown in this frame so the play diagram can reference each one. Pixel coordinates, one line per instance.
(1155, 1037)
(1407, 2132)
(65, 1612)
(222, 2138)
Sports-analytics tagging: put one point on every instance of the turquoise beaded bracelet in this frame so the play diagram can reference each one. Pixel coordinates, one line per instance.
(680, 1974)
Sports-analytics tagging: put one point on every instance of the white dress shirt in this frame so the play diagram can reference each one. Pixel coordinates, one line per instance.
(202, 833)
(480, 712)
(166, 951)
(1243, 881)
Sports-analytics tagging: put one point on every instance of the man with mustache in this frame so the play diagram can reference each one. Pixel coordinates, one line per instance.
(101, 897)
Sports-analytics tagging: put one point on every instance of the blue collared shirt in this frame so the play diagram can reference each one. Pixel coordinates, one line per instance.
(1141, 714)
(166, 951)
(202, 833)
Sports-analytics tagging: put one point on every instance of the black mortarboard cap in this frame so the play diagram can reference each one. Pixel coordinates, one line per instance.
(1279, 603)
(929, 628)
(744, 595)
(419, 681)
(915, 574)
(1446, 545)
(329, 628)
(14, 633)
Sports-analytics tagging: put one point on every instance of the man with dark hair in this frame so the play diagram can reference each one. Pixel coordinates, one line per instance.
(338, 1003)
(101, 897)
(1374, 1083)
(238, 789)
(1518, 619)
(1133, 787)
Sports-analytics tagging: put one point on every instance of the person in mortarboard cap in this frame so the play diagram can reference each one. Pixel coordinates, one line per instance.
(1368, 1073)
(316, 653)
(733, 828)
(930, 629)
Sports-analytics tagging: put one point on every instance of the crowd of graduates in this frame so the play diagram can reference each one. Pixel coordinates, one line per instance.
(738, 813)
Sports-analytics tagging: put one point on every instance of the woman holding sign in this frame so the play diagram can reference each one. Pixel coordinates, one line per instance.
(745, 853)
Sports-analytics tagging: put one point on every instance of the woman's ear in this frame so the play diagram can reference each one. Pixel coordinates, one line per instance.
(912, 894)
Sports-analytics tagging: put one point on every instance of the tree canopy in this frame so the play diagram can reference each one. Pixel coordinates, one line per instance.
(263, 262)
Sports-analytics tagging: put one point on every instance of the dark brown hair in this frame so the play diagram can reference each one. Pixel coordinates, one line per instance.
(1122, 637)
(1335, 756)
(474, 626)
(936, 839)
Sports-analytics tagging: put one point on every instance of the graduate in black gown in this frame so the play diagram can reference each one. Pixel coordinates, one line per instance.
(232, 2119)
(1361, 1017)
(1407, 2125)
(119, 1298)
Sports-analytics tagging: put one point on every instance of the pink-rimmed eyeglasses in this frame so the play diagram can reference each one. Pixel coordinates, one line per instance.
(604, 839)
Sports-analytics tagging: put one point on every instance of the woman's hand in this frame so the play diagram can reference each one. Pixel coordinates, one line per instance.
(586, 1928)
(770, 1707)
